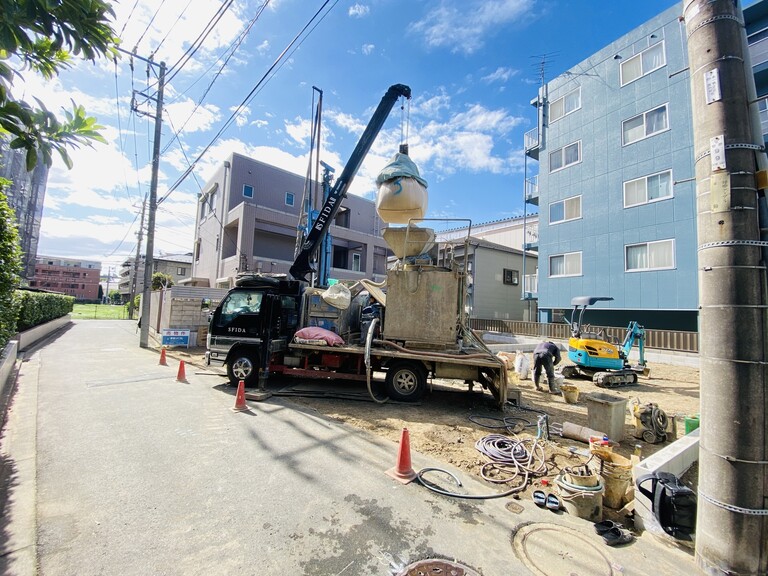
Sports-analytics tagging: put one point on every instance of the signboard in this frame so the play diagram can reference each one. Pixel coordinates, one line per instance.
(171, 337)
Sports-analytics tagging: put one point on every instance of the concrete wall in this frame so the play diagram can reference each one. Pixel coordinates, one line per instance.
(180, 308)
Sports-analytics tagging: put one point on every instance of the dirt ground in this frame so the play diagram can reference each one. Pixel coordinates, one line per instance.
(449, 420)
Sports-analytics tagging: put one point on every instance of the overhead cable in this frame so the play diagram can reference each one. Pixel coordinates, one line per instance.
(245, 102)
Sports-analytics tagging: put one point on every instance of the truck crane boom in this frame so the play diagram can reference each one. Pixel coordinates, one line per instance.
(301, 266)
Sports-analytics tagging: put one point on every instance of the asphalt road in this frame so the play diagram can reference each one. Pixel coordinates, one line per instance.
(113, 467)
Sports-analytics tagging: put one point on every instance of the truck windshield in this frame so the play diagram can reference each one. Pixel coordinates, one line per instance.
(241, 302)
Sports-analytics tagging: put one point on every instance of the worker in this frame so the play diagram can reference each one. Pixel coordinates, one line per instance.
(546, 354)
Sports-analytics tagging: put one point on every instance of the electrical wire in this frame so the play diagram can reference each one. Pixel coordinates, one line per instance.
(157, 48)
(244, 103)
(195, 46)
(136, 45)
(231, 52)
(128, 19)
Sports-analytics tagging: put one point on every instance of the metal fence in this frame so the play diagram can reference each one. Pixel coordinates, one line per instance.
(673, 340)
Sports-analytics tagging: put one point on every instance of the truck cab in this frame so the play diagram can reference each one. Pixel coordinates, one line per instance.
(256, 318)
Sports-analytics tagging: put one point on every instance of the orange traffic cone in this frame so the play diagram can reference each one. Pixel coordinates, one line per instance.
(162, 357)
(240, 405)
(181, 376)
(403, 471)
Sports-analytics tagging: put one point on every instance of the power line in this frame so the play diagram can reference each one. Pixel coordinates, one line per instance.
(245, 102)
(136, 46)
(193, 48)
(231, 51)
(157, 48)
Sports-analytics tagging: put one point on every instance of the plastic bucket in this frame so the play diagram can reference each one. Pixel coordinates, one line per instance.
(691, 423)
(570, 393)
(587, 504)
(615, 472)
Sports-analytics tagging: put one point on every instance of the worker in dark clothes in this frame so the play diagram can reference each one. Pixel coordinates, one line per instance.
(546, 354)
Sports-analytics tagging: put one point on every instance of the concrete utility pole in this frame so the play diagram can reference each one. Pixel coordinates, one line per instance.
(732, 524)
(149, 260)
(135, 274)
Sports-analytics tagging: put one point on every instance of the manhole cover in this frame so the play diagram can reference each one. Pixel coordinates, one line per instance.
(437, 568)
(550, 550)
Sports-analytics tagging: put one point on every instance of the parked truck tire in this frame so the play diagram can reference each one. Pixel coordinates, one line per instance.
(243, 365)
(406, 381)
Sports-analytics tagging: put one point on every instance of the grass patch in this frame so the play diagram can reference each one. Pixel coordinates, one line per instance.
(99, 312)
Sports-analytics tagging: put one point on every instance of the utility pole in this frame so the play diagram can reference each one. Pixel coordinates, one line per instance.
(135, 275)
(732, 523)
(149, 260)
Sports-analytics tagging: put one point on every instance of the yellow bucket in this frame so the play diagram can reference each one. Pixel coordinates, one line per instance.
(570, 393)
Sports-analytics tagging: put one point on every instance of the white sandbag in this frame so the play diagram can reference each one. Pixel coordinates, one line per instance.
(400, 199)
(522, 365)
(337, 296)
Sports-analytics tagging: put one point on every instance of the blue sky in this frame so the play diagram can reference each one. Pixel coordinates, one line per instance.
(473, 67)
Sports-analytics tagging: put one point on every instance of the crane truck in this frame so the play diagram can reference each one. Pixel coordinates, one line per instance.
(413, 329)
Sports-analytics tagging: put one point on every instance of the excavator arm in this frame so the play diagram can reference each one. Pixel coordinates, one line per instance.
(301, 266)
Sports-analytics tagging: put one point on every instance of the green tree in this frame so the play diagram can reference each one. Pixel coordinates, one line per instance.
(101, 293)
(161, 280)
(114, 296)
(10, 268)
(42, 36)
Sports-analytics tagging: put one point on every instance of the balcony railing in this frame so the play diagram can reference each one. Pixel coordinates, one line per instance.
(531, 284)
(531, 139)
(531, 188)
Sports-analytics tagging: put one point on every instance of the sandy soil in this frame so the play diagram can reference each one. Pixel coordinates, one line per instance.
(449, 420)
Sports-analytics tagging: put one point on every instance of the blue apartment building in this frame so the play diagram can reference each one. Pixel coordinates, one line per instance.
(614, 180)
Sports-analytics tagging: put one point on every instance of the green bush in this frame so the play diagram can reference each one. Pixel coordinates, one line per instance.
(10, 267)
(37, 308)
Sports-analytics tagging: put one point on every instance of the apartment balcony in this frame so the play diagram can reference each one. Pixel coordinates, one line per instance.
(532, 190)
(531, 143)
(530, 287)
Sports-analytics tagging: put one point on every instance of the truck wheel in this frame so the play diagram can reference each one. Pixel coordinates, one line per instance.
(243, 366)
(406, 381)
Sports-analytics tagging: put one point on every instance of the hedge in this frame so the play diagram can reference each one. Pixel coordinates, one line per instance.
(37, 308)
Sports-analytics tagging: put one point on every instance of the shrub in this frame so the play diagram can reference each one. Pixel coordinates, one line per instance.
(10, 267)
(37, 308)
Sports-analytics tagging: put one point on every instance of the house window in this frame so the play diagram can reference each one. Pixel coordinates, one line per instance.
(342, 218)
(181, 271)
(644, 63)
(565, 265)
(648, 189)
(565, 210)
(356, 262)
(659, 255)
(645, 125)
(565, 156)
(289, 198)
(565, 105)
(247, 191)
(511, 277)
(212, 203)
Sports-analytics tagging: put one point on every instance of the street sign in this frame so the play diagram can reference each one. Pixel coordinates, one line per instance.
(171, 337)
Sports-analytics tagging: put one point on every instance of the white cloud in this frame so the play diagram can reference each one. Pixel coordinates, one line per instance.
(462, 25)
(187, 117)
(367, 49)
(242, 118)
(501, 74)
(359, 11)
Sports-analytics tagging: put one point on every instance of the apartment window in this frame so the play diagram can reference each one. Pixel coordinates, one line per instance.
(511, 277)
(659, 255)
(212, 202)
(645, 125)
(565, 105)
(565, 210)
(356, 260)
(289, 198)
(568, 264)
(181, 271)
(648, 189)
(565, 156)
(644, 63)
(247, 191)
